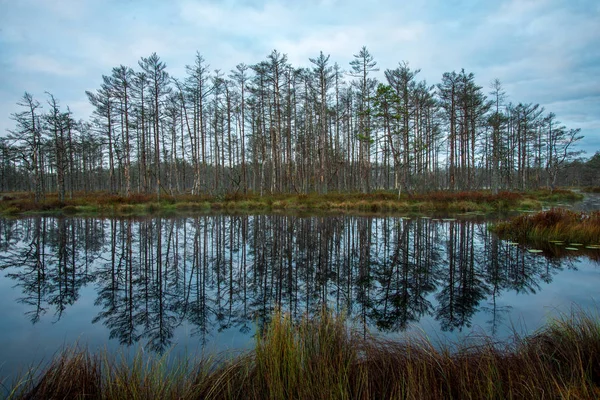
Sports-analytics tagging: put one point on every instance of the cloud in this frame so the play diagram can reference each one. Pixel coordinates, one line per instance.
(544, 51)
(266, 19)
(80, 108)
(40, 63)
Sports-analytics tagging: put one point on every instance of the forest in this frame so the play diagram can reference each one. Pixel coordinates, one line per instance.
(445, 162)
(275, 128)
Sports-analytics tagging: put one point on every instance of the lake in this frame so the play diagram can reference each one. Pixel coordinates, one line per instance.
(206, 283)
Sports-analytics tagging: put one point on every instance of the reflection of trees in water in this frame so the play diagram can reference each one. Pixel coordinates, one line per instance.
(404, 261)
(461, 283)
(219, 272)
(50, 260)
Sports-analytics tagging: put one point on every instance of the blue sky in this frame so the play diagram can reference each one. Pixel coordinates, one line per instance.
(544, 51)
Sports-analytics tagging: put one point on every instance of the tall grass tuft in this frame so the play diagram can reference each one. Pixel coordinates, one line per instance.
(74, 373)
(311, 360)
(322, 358)
(554, 224)
(379, 201)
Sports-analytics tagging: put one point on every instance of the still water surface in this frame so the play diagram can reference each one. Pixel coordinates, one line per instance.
(206, 283)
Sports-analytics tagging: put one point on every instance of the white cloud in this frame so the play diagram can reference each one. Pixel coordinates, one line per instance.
(71, 10)
(542, 50)
(81, 109)
(269, 18)
(339, 43)
(45, 64)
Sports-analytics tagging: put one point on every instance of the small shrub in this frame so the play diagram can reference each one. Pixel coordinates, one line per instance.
(87, 209)
(135, 198)
(279, 204)
(153, 207)
(69, 209)
(125, 208)
(11, 210)
(464, 206)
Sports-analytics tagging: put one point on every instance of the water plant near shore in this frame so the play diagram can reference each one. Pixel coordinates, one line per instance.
(553, 226)
(323, 358)
(138, 204)
(591, 189)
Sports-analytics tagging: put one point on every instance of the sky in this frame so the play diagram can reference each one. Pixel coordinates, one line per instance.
(543, 51)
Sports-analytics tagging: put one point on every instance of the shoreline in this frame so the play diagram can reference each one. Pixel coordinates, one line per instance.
(103, 204)
(553, 228)
(323, 358)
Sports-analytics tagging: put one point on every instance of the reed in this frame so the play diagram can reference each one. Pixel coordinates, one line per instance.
(380, 201)
(556, 224)
(322, 358)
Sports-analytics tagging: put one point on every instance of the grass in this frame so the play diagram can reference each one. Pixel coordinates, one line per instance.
(378, 202)
(322, 358)
(556, 224)
(591, 189)
(556, 195)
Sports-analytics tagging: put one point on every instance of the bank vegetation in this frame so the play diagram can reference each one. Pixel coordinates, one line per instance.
(323, 358)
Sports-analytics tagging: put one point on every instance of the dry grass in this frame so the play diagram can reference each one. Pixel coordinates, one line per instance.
(440, 201)
(322, 359)
(555, 224)
(591, 189)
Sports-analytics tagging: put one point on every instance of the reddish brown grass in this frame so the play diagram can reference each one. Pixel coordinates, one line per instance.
(380, 201)
(554, 224)
(323, 359)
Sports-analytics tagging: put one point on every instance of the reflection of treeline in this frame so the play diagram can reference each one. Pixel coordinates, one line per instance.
(216, 272)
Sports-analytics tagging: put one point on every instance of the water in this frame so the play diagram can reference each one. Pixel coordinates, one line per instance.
(591, 202)
(207, 283)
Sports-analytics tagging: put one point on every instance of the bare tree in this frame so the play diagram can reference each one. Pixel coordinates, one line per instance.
(28, 138)
(559, 147)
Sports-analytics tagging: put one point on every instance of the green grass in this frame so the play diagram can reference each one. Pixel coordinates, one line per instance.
(556, 195)
(377, 202)
(322, 358)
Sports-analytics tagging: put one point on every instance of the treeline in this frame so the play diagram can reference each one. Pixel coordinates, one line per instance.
(275, 128)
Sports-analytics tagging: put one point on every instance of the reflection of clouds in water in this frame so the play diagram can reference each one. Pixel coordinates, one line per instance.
(159, 282)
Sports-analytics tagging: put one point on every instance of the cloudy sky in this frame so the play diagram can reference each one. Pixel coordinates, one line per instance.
(544, 51)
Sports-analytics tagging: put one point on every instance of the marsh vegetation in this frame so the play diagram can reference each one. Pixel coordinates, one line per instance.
(321, 358)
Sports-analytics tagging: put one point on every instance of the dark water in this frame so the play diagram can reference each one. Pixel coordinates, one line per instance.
(205, 283)
(591, 202)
